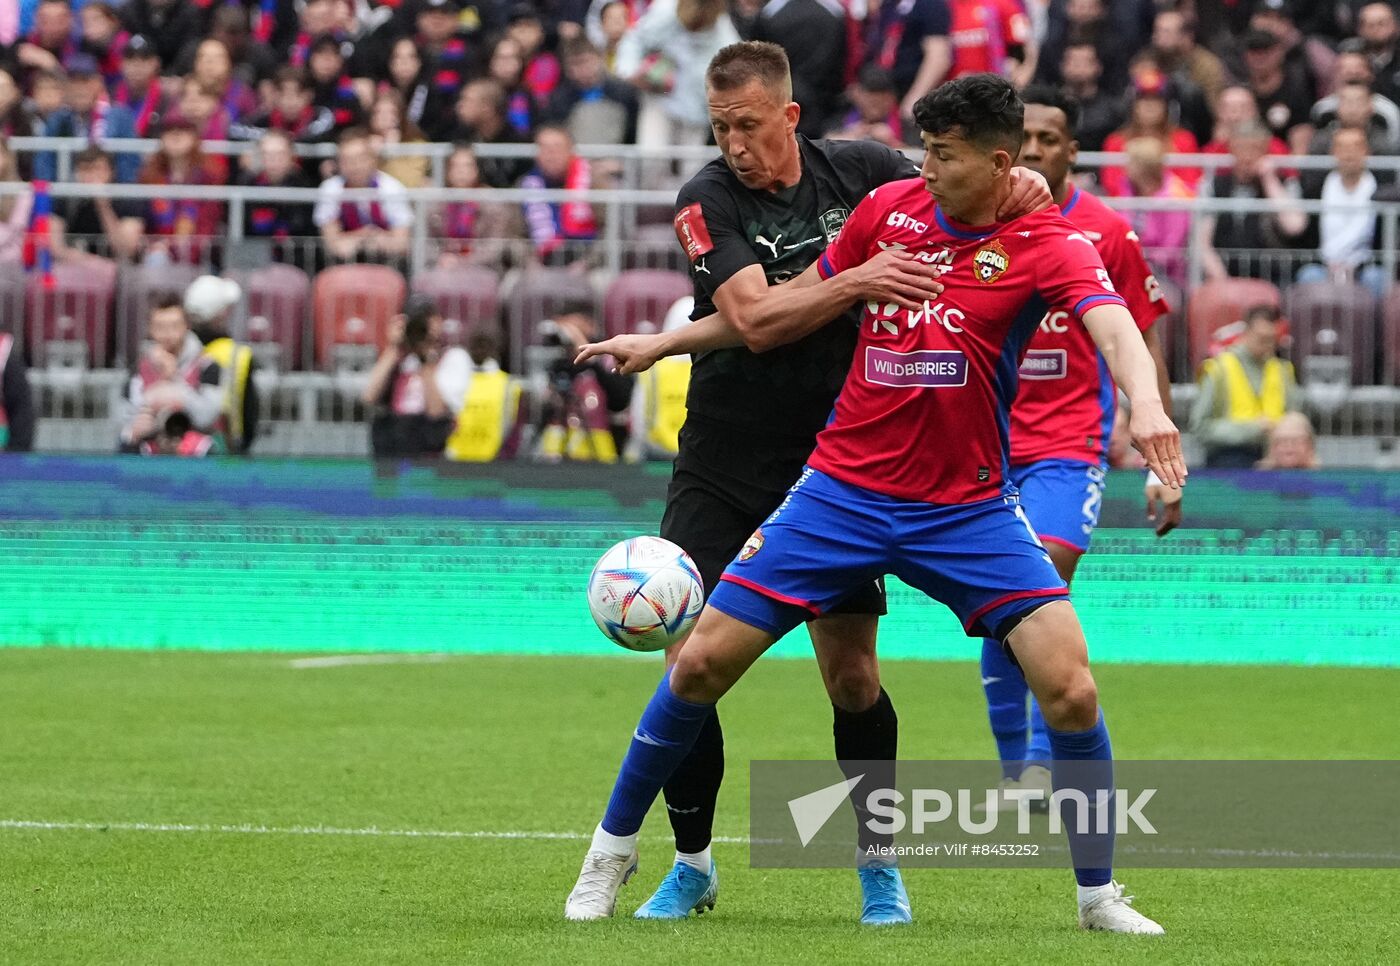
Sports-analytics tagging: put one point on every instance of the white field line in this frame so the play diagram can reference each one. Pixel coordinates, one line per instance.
(349, 660)
(373, 831)
(251, 829)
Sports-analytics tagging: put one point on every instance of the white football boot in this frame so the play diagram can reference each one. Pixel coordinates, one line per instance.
(1107, 909)
(595, 893)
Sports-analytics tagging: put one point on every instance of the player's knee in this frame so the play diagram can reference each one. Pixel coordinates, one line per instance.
(698, 676)
(854, 684)
(1072, 703)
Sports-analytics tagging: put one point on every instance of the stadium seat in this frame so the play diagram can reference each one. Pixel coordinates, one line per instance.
(70, 319)
(654, 246)
(1328, 319)
(1215, 304)
(641, 295)
(140, 287)
(539, 294)
(353, 305)
(468, 298)
(275, 321)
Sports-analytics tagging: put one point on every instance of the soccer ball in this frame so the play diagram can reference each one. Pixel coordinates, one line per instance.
(645, 593)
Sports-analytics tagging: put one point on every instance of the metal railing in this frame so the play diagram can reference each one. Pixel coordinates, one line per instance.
(1348, 354)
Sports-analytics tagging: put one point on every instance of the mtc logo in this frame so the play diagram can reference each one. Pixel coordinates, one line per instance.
(899, 219)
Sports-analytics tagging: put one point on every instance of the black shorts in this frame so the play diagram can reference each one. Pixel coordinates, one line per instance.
(725, 483)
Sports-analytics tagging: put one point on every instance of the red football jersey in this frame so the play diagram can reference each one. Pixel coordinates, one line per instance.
(1067, 400)
(981, 33)
(924, 412)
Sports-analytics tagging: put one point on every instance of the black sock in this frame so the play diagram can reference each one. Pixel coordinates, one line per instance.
(694, 787)
(868, 736)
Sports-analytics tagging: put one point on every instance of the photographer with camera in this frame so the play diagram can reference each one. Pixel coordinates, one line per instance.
(583, 412)
(174, 392)
(410, 414)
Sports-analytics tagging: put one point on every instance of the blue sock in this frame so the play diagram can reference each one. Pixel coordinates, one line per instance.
(1006, 706)
(1083, 760)
(663, 737)
(1038, 750)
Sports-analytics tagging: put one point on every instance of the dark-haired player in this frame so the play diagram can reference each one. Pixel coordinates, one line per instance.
(1062, 420)
(912, 475)
(761, 215)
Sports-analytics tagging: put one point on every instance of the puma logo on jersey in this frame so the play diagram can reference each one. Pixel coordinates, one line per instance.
(701, 267)
(772, 245)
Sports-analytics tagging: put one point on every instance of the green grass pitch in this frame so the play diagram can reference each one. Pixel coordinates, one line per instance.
(208, 746)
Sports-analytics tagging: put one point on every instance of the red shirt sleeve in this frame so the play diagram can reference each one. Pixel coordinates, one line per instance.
(852, 245)
(1122, 256)
(1072, 274)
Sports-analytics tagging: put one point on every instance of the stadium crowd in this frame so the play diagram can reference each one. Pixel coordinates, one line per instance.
(1255, 79)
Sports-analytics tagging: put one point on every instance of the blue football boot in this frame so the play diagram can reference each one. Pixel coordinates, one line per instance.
(883, 899)
(682, 890)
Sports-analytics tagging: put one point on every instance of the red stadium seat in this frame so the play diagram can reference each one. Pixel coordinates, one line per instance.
(1216, 304)
(541, 293)
(641, 296)
(277, 300)
(468, 298)
(353, 305)
(1327, 319)
(70, 320)
(141, 286)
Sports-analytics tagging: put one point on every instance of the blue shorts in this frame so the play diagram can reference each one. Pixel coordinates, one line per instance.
(827, 537)
(1062, 499)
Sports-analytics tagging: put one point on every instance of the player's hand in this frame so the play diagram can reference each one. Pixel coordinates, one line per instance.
(1163, 505)
(1159, 441)
(898, 277)
(1029, 192)
(632, 353)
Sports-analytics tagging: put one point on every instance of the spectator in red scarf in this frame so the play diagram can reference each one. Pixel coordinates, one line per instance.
(280, 223)
(331, 84)
(141, 89)
(200, 106)
(541, 73)
(104, 38)
(451, 54)
(213, 69)
(552, 224)
(50, 43)
(292, 113)
(1150, 117)
(88, 114)
(180, 228)
(423, 104)
(362, 230)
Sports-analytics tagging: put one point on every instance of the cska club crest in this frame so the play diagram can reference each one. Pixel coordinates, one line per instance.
(991, 262)
(752, 546)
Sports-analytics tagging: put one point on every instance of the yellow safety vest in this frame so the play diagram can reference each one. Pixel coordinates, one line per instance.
(487, 413)
(235, 362)
(665, 385)
(1242, 403)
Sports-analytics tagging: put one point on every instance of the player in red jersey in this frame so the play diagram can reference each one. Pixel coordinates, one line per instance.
(912, 475)
(992, 35)
(1062, 419)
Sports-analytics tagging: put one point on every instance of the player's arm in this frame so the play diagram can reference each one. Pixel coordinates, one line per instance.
(1163, 502)
(1121, 343)
(767, 316)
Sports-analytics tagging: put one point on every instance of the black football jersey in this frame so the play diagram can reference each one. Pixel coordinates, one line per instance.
(725, 227)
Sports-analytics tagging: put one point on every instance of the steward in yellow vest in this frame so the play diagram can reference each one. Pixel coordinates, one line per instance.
(1244, 391)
